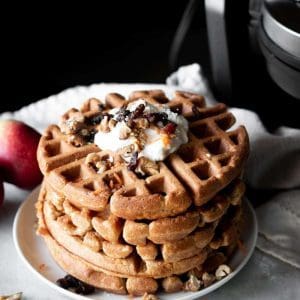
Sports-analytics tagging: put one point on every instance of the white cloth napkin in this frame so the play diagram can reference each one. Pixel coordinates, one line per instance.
(272, 273)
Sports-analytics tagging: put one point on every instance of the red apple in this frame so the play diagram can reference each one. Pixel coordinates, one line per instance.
(18, 145)
(1, 192)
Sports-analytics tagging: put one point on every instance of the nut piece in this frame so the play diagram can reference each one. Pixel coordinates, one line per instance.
(104, 127)
(17, 296)
(197, 271)
(97, 163)
(147, 166)
(76, 140)
(142, 123)
(222, 271)
(112, 123)
(147, 296)
(124, 132)
(193, 284)
(73, 123)
(101, 166)
(92, 158)
(114, 181)
(126, 152)
(208, 279)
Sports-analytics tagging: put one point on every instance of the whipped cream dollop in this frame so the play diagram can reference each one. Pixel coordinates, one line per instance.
(157, 132)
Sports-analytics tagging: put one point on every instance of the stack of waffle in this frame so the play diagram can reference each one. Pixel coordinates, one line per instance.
(126, 233)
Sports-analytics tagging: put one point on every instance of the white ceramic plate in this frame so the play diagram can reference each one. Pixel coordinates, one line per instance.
(34, 253)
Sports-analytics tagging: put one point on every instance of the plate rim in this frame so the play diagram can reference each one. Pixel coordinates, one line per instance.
(188, 296)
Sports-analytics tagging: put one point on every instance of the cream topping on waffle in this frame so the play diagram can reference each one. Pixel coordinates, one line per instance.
(157, 140)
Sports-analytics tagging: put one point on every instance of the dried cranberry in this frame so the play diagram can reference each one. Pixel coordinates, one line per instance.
(151, 117)
(84, 288)
(163, 117)
(169, 128)
(62, 282)
(138, 112)
(94, 120)
(89, 138)
(67, 282)
(70, 282)
(101, 107)
(133, 161)
(130, 123)
(157, 117)
(122, 114)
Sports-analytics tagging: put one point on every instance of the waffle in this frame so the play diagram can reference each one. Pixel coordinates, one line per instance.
(158, 249)
(126, 233)
(211, 159)
(91, 273)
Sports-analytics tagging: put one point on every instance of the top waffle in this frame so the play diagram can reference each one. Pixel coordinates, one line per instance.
(210, 160)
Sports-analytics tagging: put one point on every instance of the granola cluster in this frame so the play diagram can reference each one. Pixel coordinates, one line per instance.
(76, 127)
(98, 163)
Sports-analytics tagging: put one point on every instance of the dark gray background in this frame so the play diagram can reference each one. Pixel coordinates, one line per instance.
(48, 48)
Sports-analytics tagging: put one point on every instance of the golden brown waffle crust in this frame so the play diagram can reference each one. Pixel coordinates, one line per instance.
(211, 159)
(187, 249)
(92, 274)
(127, 233)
